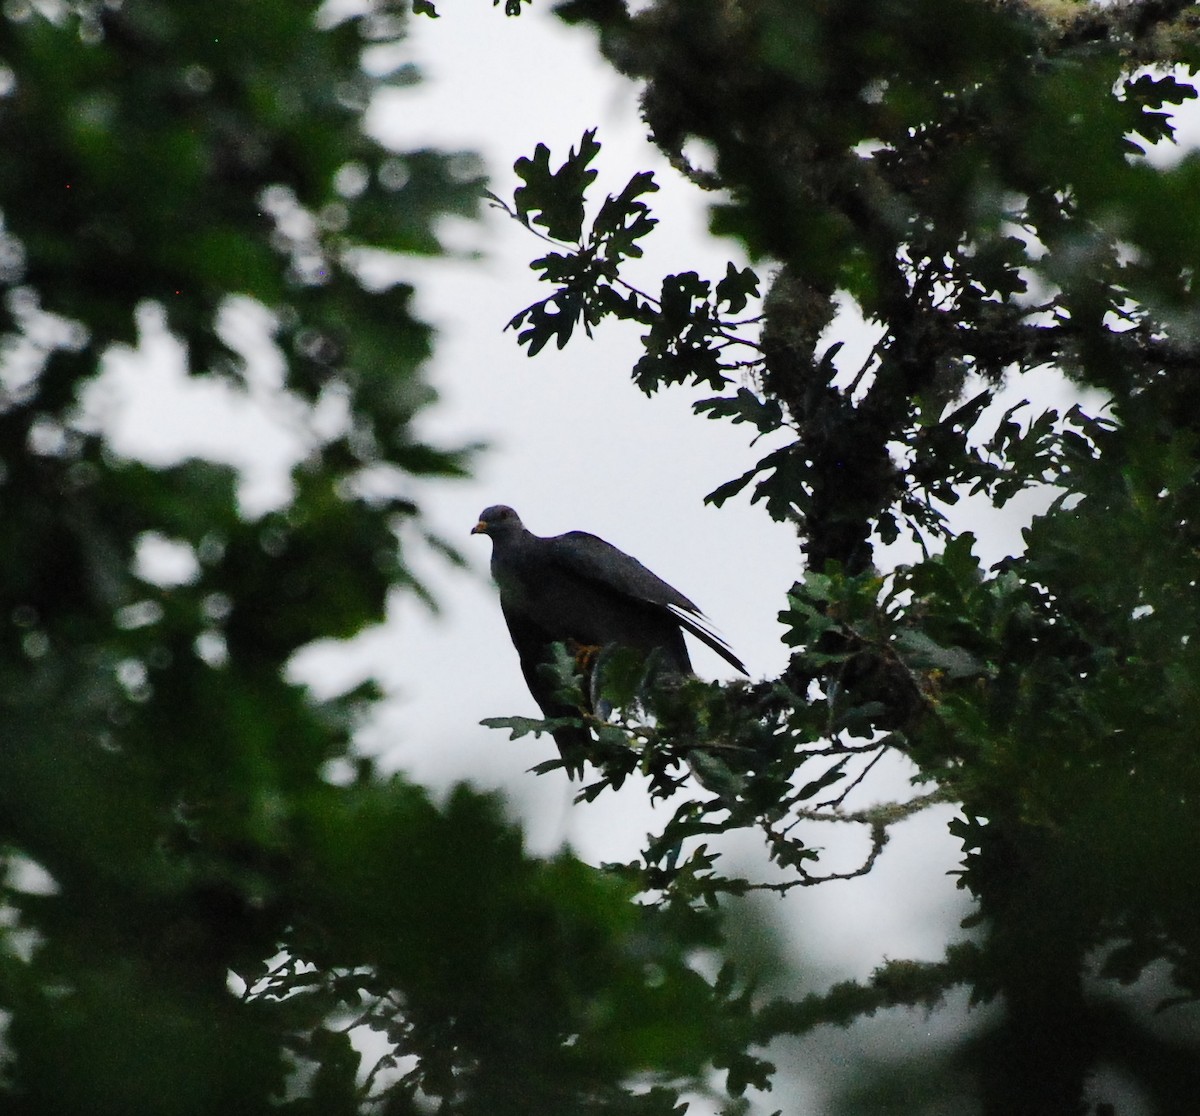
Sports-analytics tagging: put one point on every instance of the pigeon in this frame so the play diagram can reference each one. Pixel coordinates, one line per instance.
(578, 590)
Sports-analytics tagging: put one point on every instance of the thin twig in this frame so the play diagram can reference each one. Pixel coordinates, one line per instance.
(836, 802)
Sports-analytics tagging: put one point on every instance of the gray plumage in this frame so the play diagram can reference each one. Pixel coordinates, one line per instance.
(579, 590)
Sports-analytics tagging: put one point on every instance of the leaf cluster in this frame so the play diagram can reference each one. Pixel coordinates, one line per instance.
(691, 323)
(974, 181)
(208, 901)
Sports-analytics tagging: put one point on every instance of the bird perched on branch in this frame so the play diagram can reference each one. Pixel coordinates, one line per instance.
(578, 590)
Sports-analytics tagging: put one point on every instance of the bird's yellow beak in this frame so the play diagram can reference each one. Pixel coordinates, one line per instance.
(480, 528)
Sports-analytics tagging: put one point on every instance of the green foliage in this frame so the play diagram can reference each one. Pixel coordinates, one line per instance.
(208, 903)
(556, 198)
(687, 337)
(487, 1036)
(973, 179)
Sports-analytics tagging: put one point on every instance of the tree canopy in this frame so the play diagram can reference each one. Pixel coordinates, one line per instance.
(209, 897)
(205, 890)
(976, 182)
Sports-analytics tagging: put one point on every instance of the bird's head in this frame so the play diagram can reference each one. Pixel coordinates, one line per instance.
(498, 521)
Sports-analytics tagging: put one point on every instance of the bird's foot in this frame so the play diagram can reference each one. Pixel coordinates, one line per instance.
(584, 655)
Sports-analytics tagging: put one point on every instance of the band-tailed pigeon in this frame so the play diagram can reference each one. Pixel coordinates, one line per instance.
(578, 590)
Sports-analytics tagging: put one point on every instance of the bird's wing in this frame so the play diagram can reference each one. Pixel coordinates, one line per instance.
(700, 626)
(591, 557)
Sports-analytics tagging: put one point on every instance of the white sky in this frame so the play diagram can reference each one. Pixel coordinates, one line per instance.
(574, 446)
(577, 446)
